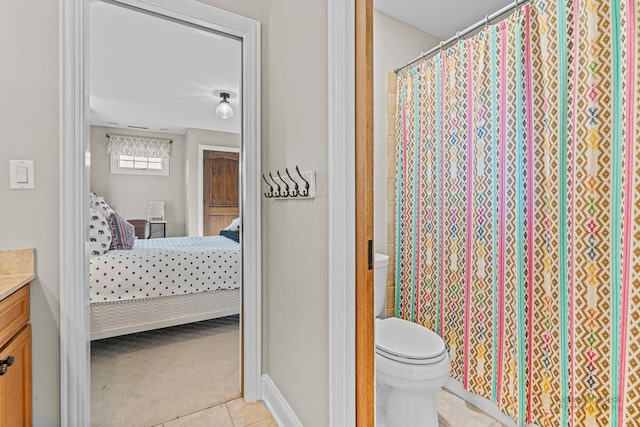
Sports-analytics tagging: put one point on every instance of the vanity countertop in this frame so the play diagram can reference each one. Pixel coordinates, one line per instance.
(10, 284)
(17, 268)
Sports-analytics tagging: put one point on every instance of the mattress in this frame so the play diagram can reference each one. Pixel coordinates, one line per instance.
(109, 319)
(164, 267)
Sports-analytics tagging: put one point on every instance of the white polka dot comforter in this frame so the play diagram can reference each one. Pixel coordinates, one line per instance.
(165, 267)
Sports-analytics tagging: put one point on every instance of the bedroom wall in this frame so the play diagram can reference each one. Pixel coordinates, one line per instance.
(295, 241)
(129, 195)
(394, 43)
(193, 138)
(29, 94)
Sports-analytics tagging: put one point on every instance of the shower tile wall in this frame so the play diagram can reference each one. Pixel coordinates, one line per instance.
(391, 187)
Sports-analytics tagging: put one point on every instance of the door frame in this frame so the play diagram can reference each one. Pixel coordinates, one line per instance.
(201, 149)
(341, 76)
(74, 190)
(364, 307)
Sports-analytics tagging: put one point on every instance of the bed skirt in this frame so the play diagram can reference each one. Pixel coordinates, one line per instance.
(110, 319)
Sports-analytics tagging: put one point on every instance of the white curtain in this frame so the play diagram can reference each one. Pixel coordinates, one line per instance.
(127, 145)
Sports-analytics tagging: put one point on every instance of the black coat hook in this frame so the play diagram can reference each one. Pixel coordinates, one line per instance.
(305, 193)
(285, 193)
(270, 193)
(295, 191)
(277, 193)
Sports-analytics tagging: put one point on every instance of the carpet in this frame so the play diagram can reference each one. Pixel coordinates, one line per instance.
(148, 378)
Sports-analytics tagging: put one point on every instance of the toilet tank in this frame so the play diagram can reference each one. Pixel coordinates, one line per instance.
(380, 266)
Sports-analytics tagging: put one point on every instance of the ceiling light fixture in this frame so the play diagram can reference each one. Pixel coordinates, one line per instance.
(224, 110)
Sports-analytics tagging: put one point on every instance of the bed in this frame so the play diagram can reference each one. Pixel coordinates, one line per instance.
(164, 282)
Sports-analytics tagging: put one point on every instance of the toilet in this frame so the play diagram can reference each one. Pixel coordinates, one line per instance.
(412, 363)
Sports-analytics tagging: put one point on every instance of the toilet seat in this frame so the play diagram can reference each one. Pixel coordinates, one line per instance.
(408, 343)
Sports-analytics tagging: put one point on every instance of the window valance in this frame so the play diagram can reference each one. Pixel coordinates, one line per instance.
(127, 145)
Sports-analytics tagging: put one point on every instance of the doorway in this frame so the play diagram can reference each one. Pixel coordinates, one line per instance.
(171, 293)
(74, 180)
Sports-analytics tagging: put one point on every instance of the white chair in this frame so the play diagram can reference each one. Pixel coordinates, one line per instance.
(155, 212)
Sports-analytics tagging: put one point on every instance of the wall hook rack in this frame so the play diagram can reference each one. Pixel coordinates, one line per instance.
(287, 186)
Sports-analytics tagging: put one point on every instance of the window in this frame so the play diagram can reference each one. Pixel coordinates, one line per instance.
(139, 165)
(139, 155)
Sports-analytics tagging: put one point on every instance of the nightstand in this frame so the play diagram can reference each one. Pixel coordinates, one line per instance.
(158, 229)
(142, 228)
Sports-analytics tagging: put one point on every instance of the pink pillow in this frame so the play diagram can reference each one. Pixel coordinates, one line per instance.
(122, 232)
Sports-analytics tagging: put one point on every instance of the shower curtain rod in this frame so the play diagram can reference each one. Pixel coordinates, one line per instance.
(486, 21)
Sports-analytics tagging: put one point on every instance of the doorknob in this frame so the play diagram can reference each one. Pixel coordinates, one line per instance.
(4, 364)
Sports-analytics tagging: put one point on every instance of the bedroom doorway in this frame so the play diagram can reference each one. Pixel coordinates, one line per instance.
(164, 308)
(75, 314)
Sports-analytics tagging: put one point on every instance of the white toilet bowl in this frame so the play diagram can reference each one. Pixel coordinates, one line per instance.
(412, 363)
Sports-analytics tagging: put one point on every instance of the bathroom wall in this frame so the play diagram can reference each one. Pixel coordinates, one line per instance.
(29, 130)
(394, 43)
(129, 195)
(392, 164)
(295, 233)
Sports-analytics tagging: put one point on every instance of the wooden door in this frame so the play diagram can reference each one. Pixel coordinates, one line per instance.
(365, 345)
(221, 190)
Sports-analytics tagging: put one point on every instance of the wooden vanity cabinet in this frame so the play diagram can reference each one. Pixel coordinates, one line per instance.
(15, 360)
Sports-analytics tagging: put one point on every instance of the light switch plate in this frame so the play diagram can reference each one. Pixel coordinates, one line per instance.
(21, 176)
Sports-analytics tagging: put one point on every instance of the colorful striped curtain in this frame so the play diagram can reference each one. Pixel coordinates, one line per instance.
(518, 210)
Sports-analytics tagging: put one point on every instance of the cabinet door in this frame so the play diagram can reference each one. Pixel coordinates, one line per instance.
(15, 384)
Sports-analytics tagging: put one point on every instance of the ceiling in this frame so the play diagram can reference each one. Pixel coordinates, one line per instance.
(147, 72)
(440, 18)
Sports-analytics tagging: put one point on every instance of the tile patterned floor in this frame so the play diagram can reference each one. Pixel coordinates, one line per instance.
(235, 413)
(452, 412)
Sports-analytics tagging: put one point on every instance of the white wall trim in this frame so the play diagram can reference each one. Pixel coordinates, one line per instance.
(201, 149)
(277, 405)
(74, 150)
(74, 188)
(341, 156)
(487, 406)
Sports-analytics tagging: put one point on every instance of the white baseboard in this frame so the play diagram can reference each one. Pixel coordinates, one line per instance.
(277, 405)
(485, 405)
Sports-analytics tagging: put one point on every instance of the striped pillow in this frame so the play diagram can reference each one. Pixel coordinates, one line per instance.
(122, 233)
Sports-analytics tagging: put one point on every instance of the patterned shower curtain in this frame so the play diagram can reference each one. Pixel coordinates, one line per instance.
(518, 210)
